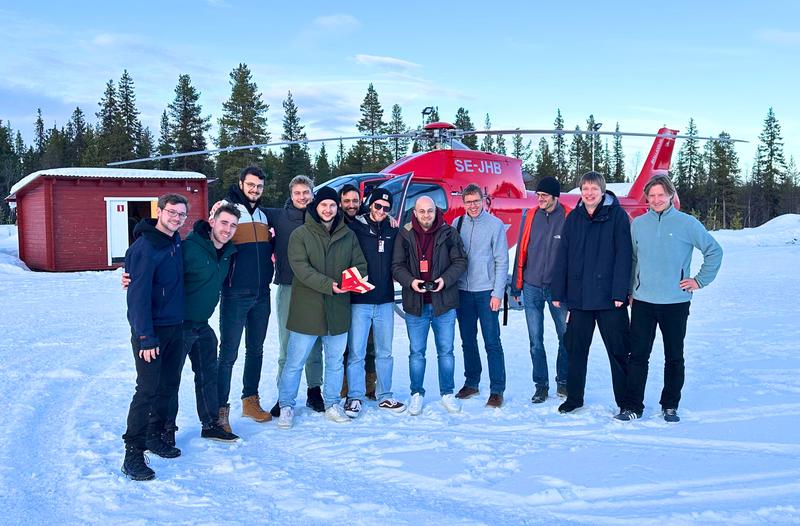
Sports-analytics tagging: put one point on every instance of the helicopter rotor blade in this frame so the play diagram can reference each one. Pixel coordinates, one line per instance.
(590, 132)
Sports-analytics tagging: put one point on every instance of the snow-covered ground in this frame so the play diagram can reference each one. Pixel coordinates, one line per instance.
(67, 375)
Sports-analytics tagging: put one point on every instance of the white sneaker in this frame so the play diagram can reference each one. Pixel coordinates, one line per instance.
(336, 414)
(449, 402)
(415, 407)
(390, 404)
(353, 407)
(286, 417)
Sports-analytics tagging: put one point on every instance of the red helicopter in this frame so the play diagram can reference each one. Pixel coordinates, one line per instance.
(451, 165)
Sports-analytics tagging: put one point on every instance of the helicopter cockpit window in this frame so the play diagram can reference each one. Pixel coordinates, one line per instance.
(415, 190)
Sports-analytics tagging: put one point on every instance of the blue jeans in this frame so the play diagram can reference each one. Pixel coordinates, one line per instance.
(381, 319)
(248, 312)
(535, 298)
(444, 328)
(474, 307)
(300, 346)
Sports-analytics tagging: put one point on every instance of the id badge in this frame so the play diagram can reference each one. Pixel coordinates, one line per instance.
(380, 245)
(423, 265)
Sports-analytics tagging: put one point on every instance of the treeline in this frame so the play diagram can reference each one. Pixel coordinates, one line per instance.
(707, 174)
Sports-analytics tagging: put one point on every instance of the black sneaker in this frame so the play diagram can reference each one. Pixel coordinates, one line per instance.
(135, 464)
(540, 395)
(276, 410)
(567, 407)
(626, 415)
(671, 415)
(215, 432)
(561, 390)
(352, 407)
(314, 399)
(158, 447)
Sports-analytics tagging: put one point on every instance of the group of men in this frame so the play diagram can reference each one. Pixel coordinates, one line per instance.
(580, 263)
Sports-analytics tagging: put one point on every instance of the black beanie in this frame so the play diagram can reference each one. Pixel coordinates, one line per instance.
(380, 193)
(326, 192)
(549, 185)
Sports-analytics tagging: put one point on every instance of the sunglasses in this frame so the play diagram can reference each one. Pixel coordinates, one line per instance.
(379, 206)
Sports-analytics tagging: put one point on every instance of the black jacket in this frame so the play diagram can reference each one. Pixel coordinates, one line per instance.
(155, 295)
(449, 262)
(593, 266)
(284, 221)
(252, 269)
(377, 244)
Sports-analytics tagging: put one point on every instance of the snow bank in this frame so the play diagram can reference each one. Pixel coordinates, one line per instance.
(9, 250)
(783, 230)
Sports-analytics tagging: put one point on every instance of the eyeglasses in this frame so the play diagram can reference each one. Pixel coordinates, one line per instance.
(379, 206)
(255, 186)
(473, 203)
(175, 213)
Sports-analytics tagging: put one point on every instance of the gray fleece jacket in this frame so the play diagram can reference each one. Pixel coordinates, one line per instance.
(487, 253)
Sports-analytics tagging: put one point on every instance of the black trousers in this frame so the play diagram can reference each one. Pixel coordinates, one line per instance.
(200, 345)
(156, 382)
(671, 319)
(615, 331)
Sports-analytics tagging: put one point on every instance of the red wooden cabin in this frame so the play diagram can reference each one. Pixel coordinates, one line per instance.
(72, 219)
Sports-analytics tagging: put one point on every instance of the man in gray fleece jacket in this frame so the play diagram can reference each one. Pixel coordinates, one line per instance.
(480, 295)
(663, 241)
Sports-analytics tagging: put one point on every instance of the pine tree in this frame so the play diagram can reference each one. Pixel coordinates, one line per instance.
(372, 123)
(463, 122)
(560, 152)
(76, 137)
(579, 164)
(243, 122)
(500, 145)
(165, 143)
(487, 144)
(39, 138)
(322, 168)
(91, 154)
(723, 180)
(10, 166)
(188, 126)
(338, 161)
(617, 167)
(522, 151)
(771, 169)
(112, 143)
(398, 145)
(145, 144)
(55, 147)
(294, 159)
(545, 163)
(689, 169)
(129, 116)
(592, 154)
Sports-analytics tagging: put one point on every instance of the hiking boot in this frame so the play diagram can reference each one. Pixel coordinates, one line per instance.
(353, 407)
(371, 381)
(276, 410)
(251, 408)
(160, 448)
(450, 403)
(314, 399)
(215, 432)
(135, 464)
(390, 404)
(336, 414)
(466, 392)
(568, 407)
(671, 415)
(626, 415)
(224, 414)
(540, 395)
(286, 418)
(415, 407)
(495, 400)
(561, 390)
(168, 435)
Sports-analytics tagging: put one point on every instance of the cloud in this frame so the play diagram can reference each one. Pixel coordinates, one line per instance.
(779, 36)
(336, 23)
(385, 62)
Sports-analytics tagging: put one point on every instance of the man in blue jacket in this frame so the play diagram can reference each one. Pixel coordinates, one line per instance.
(663, 241)
(155, 312)
(592, 276)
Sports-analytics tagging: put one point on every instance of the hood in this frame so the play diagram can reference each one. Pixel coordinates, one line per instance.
(602, 213)
(235, 195)
(147, 228)
(312, 213)
(437, 223)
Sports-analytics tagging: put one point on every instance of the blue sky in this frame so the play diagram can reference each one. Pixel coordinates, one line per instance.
(639, 64)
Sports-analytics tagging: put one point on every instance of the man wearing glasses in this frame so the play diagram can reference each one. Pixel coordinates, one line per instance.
(537, 247)
(480, 295)
(155, 312)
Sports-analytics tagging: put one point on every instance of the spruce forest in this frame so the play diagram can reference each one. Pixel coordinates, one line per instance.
(711, 182)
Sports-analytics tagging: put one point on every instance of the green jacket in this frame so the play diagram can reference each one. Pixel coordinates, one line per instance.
(318, 258)
(203, 272)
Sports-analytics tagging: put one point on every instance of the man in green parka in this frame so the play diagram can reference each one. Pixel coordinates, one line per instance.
(319, 251)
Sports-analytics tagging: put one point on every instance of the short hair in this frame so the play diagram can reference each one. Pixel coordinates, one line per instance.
(229, 208)
(471, 188)
(301, 179)
(251, 170)
(593, 178)
(172, 199)
(347, 189)
(664, 181)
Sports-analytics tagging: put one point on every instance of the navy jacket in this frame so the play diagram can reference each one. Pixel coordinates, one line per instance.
(372, 238)
(284, 221)
(155, 295)
(593, 266)
(252, 269)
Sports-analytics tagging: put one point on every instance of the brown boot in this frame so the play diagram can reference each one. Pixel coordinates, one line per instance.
(251, 408)
(224, 413)
(495, 400)
(371, 380)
